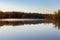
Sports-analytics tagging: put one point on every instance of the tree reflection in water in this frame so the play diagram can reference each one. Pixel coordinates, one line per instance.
(16, 23)
(56, 23)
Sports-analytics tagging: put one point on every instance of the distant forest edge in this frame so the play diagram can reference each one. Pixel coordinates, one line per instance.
(14, 14)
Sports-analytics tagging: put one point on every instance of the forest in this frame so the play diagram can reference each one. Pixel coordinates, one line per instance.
(14, 14)
(19, 15)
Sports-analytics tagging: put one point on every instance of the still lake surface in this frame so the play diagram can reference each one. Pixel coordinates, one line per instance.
(31, 30)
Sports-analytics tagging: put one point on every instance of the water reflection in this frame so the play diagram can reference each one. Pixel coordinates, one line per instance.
(56, 23)
(16, 23)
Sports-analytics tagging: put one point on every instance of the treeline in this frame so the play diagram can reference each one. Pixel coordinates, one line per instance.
(56, 15)
(21, 15)
(14, 14)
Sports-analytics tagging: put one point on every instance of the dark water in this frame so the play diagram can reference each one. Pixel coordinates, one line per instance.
(30, 30)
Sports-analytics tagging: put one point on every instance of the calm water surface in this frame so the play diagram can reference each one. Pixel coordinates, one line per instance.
(41, 31)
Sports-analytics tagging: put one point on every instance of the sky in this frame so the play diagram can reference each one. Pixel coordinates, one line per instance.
(40, 6)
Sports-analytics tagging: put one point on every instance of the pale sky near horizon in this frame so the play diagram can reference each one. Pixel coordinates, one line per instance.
(41, 6)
